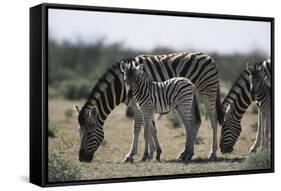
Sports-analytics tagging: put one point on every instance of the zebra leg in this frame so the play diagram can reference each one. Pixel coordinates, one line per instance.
(268, 129)
(258, 135)
(210, 103)
(194, 127)
(182, 156)
(156, 141)
(263, 129)
(136, 130)
(148, 146)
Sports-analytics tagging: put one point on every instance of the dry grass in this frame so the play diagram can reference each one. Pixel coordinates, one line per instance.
(118, 135)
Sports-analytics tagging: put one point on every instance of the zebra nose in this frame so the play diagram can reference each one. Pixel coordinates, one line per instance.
(85, 157)
(226, 150)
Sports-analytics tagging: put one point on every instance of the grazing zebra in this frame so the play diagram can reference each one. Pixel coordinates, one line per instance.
(234, 106)
(109, 92)
(260, 80)
(161, 97)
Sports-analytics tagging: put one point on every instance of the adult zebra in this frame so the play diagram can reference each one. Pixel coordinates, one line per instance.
(234, 106)
(161, 97)
(109, 92)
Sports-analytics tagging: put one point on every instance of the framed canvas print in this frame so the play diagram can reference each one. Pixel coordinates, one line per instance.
(127, 95)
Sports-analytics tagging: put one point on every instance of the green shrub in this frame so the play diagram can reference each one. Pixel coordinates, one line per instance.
(53, 93)
(254, 126)
(68, 113)
(52, 130)
(175, 119)
(75, 89)
(60, 169)
(259, 160)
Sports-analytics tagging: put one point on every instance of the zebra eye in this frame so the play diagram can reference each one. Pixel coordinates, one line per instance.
(93, 112)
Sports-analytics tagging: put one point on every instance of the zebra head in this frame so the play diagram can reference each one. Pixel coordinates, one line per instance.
(230, 131)
(131, 69)
(91, 133)
(258, 76)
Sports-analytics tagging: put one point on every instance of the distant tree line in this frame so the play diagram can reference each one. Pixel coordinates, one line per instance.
(74, 68)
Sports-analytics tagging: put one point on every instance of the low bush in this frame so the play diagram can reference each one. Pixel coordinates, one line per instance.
(254, 126)
(75, 89)
(175, 119)
(259, 160)
(68, 113)
(60, 169)
(52, 131)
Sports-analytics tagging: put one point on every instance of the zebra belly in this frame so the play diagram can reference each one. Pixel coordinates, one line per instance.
(162, 108)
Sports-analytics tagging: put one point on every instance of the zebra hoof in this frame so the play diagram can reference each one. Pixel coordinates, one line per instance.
(188, 158)
(158, 153)
(180, 158)
(252, 150)
(128, 159)
(212, 157)
(144, 158)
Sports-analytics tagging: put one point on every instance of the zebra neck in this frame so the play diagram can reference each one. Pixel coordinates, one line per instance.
(239, 96)
(108, 93)
(142, 84)
(263, 95)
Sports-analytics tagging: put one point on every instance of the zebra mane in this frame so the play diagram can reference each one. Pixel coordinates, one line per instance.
(239, 92)
(104, 78)
(103, 85)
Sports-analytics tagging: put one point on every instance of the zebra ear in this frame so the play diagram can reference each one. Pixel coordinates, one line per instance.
(140, 67)
(77, 109)
(260, 65)
(249, 67)
(123, 66)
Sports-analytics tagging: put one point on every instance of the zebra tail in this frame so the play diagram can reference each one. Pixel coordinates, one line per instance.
(195, 108)
(220, 113)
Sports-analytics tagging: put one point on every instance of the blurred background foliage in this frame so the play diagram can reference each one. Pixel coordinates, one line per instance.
(74, 68)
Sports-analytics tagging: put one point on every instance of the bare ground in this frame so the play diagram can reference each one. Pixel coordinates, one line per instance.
(118, 135)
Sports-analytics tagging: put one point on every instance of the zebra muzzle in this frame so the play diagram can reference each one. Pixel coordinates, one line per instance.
(85, 157)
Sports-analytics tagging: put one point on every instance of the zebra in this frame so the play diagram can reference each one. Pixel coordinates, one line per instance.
(161, 97)
(260, 80)
(109, 92)
(235, 104)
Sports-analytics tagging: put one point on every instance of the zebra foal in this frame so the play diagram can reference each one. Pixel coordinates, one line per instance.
(161, 97)
(260, 87)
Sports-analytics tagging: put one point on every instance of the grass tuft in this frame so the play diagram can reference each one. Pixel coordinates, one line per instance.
(60, 169)
(260, 160)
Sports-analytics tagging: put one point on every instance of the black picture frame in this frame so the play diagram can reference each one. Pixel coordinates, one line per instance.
(39, 92)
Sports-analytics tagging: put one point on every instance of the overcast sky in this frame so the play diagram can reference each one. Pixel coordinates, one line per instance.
(145, 32)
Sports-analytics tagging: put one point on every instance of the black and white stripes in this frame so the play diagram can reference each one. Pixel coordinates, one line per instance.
(161, 97)
(260, 80)
(109, 91)
(234, 106)
(244, 91)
